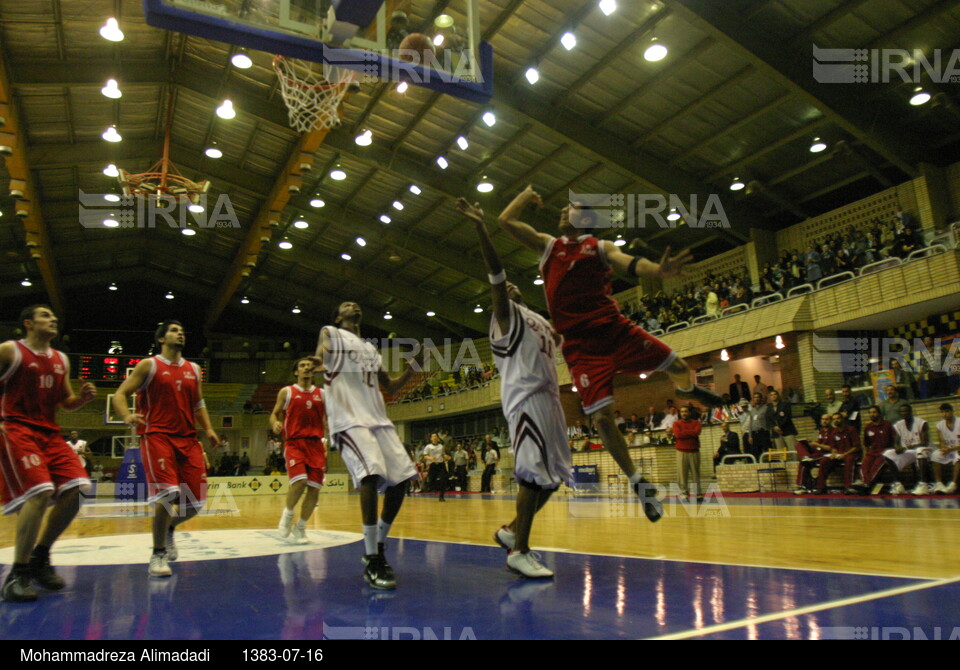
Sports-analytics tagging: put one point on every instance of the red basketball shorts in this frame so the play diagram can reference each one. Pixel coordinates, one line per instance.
(33, 461)
(306, 459)
(174, 466)
(596, 356)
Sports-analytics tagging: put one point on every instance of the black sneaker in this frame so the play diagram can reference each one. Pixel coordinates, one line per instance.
(703, 395)
(18, 589)
(46, 576)
(378, 573)
(648, 496)
(366, 558)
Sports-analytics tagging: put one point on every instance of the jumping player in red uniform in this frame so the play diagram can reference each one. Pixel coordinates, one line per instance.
(170, 403)
(298, 416)
(36, 464)
(599, 342)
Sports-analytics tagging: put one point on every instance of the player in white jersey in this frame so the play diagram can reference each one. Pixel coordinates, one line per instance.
(523, 345)
(947, 454)
(912, 447)
(360, 429)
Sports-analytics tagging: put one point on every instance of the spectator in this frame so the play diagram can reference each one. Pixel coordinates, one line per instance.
(784, 430)
(620, 422)
(812, 267)
(634, 424)
(739, 390)
(756, 438)
(653, 419)
(686, 431)
(460, 461)
(759, 387)
(849, 407)
(244, 466)
(729, 445)
(831, 404)
(904, 379)
(844, 449)
(490, 459)
(712, 305)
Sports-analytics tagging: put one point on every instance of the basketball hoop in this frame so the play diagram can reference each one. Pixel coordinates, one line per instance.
(312, 92)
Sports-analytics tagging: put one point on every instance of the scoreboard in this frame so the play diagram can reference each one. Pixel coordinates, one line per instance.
(111, 368)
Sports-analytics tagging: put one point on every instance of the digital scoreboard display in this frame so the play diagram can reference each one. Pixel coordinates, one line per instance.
(114, 368)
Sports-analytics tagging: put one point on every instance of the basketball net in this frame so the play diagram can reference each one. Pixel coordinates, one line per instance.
(312, 92)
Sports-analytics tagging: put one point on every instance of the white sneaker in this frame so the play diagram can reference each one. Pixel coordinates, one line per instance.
(800, 491)
(505, 538)
(939, 488)
(897, 489)
(528, 565)
(159, 566)
(172, 553)
(950, 488)
(285, 525)
(921, 489)
(300, 535)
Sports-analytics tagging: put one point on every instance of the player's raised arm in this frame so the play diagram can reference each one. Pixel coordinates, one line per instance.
(498, 278)
(522, 232)
(276, 416)
(121, 399)
(636, 266)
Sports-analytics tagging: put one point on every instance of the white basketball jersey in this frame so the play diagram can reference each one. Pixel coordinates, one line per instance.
(951, 436)
(524, 356)
(911, 437)
(353, 395)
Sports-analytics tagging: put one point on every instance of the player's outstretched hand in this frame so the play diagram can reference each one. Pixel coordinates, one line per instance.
(88, 392)
(532, 196)
(472, 212)
(673, 265)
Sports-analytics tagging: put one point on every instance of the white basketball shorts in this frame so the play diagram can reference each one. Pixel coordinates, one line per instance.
(375, 451)
(540, 449)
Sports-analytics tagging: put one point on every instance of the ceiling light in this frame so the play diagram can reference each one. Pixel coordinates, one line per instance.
(364, 139)
(724, 356)
(919, 97)
(573, 388)
(431, 313)
(111, 171)
(169, 295)
(296, 309)
(111, 134)
(655, 52)
(226, 110)
(737, 185)
(485, 186)
(438, 39)
(532, 75)
(285, 244)
(443, 21)
(111, 90)
(779, 342)
(619, 241)
(643, 375)
(489, 118)
(608, 7)
(346, 257)
(538, 281)
(213, 152)
(244, 300)
(337, 174)
(111, 30)
(415, 189)
(478, 310)
(397, 205)
(111, 197)
(111, 223)
(442, 162)
(388, 316)
(112, 287)
(362, 242)
(385, 219)
(26, 282)
(241, 60)
(317, 202)
(402, 87)
(196, 209)
(189, 232)
(569, 40)
(673, 215)
(301, 224)
(817, 146)
(462, 143)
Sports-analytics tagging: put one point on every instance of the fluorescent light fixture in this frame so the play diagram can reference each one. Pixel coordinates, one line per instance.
(244, 300)
(478, 310)
(226, 110)
(619, 241)
(402, 87)
(397, 205)
(301, 224)
(337, 174)
(431, 313)
(111, 171)
(111, 90)
(779, 342)
(655, 52)
(919, 97)
(111, 134)
(443, 21)
(196, 209)
(724, 356)
(112, 287)
(241, 60)
(643, 375)
(569, 40)
(485, 186)
(538, 281)
(388, 316)
(285, 244)
(817, 146)
(608, 7)
(26, 282)
(189, 232)
(111, 197)
(296, 309)
(737, 185)
(462, 143)
(489, 118)
(346, 257)
(673, 215)
(362, 242)
(415, 189)
(111, 223)
(169, 295)
(442, 162)
(438, 39)
(364, 139)
(317, 202)
(385, 219)
(213, 152)
(111, 30)
(532, 75)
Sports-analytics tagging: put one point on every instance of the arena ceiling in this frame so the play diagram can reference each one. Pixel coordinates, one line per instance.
(735, 97)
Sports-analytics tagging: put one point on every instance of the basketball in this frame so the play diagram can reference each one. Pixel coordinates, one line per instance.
(416, 43)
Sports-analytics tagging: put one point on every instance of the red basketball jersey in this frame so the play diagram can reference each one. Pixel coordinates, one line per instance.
(32, 387)
(169, 397)
(576, 276)
(303, 413)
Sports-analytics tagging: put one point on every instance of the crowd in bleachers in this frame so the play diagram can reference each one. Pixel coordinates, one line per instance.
(466, 378)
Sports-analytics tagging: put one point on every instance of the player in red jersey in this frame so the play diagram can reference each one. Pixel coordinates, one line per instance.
(599, 342)
(36, 464)
(298, 416)
(170, 404)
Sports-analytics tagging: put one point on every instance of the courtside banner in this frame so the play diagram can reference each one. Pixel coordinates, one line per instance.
(268, 485)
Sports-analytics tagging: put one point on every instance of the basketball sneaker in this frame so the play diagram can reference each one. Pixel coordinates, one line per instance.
(921, 489)
(366, 559)
(648, 496)
(897, 489)
(528, 564)
(18, 589)
(939, 488)
(951, 487)
(159, 566)
(378, 573)
(505, 538)
(44, 574)
(172, 553)
(300, 535)
(286, 523)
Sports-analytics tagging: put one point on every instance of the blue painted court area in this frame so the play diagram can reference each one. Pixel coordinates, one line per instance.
(458, 591)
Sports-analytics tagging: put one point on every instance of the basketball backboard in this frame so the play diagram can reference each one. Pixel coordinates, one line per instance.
(353, 34)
